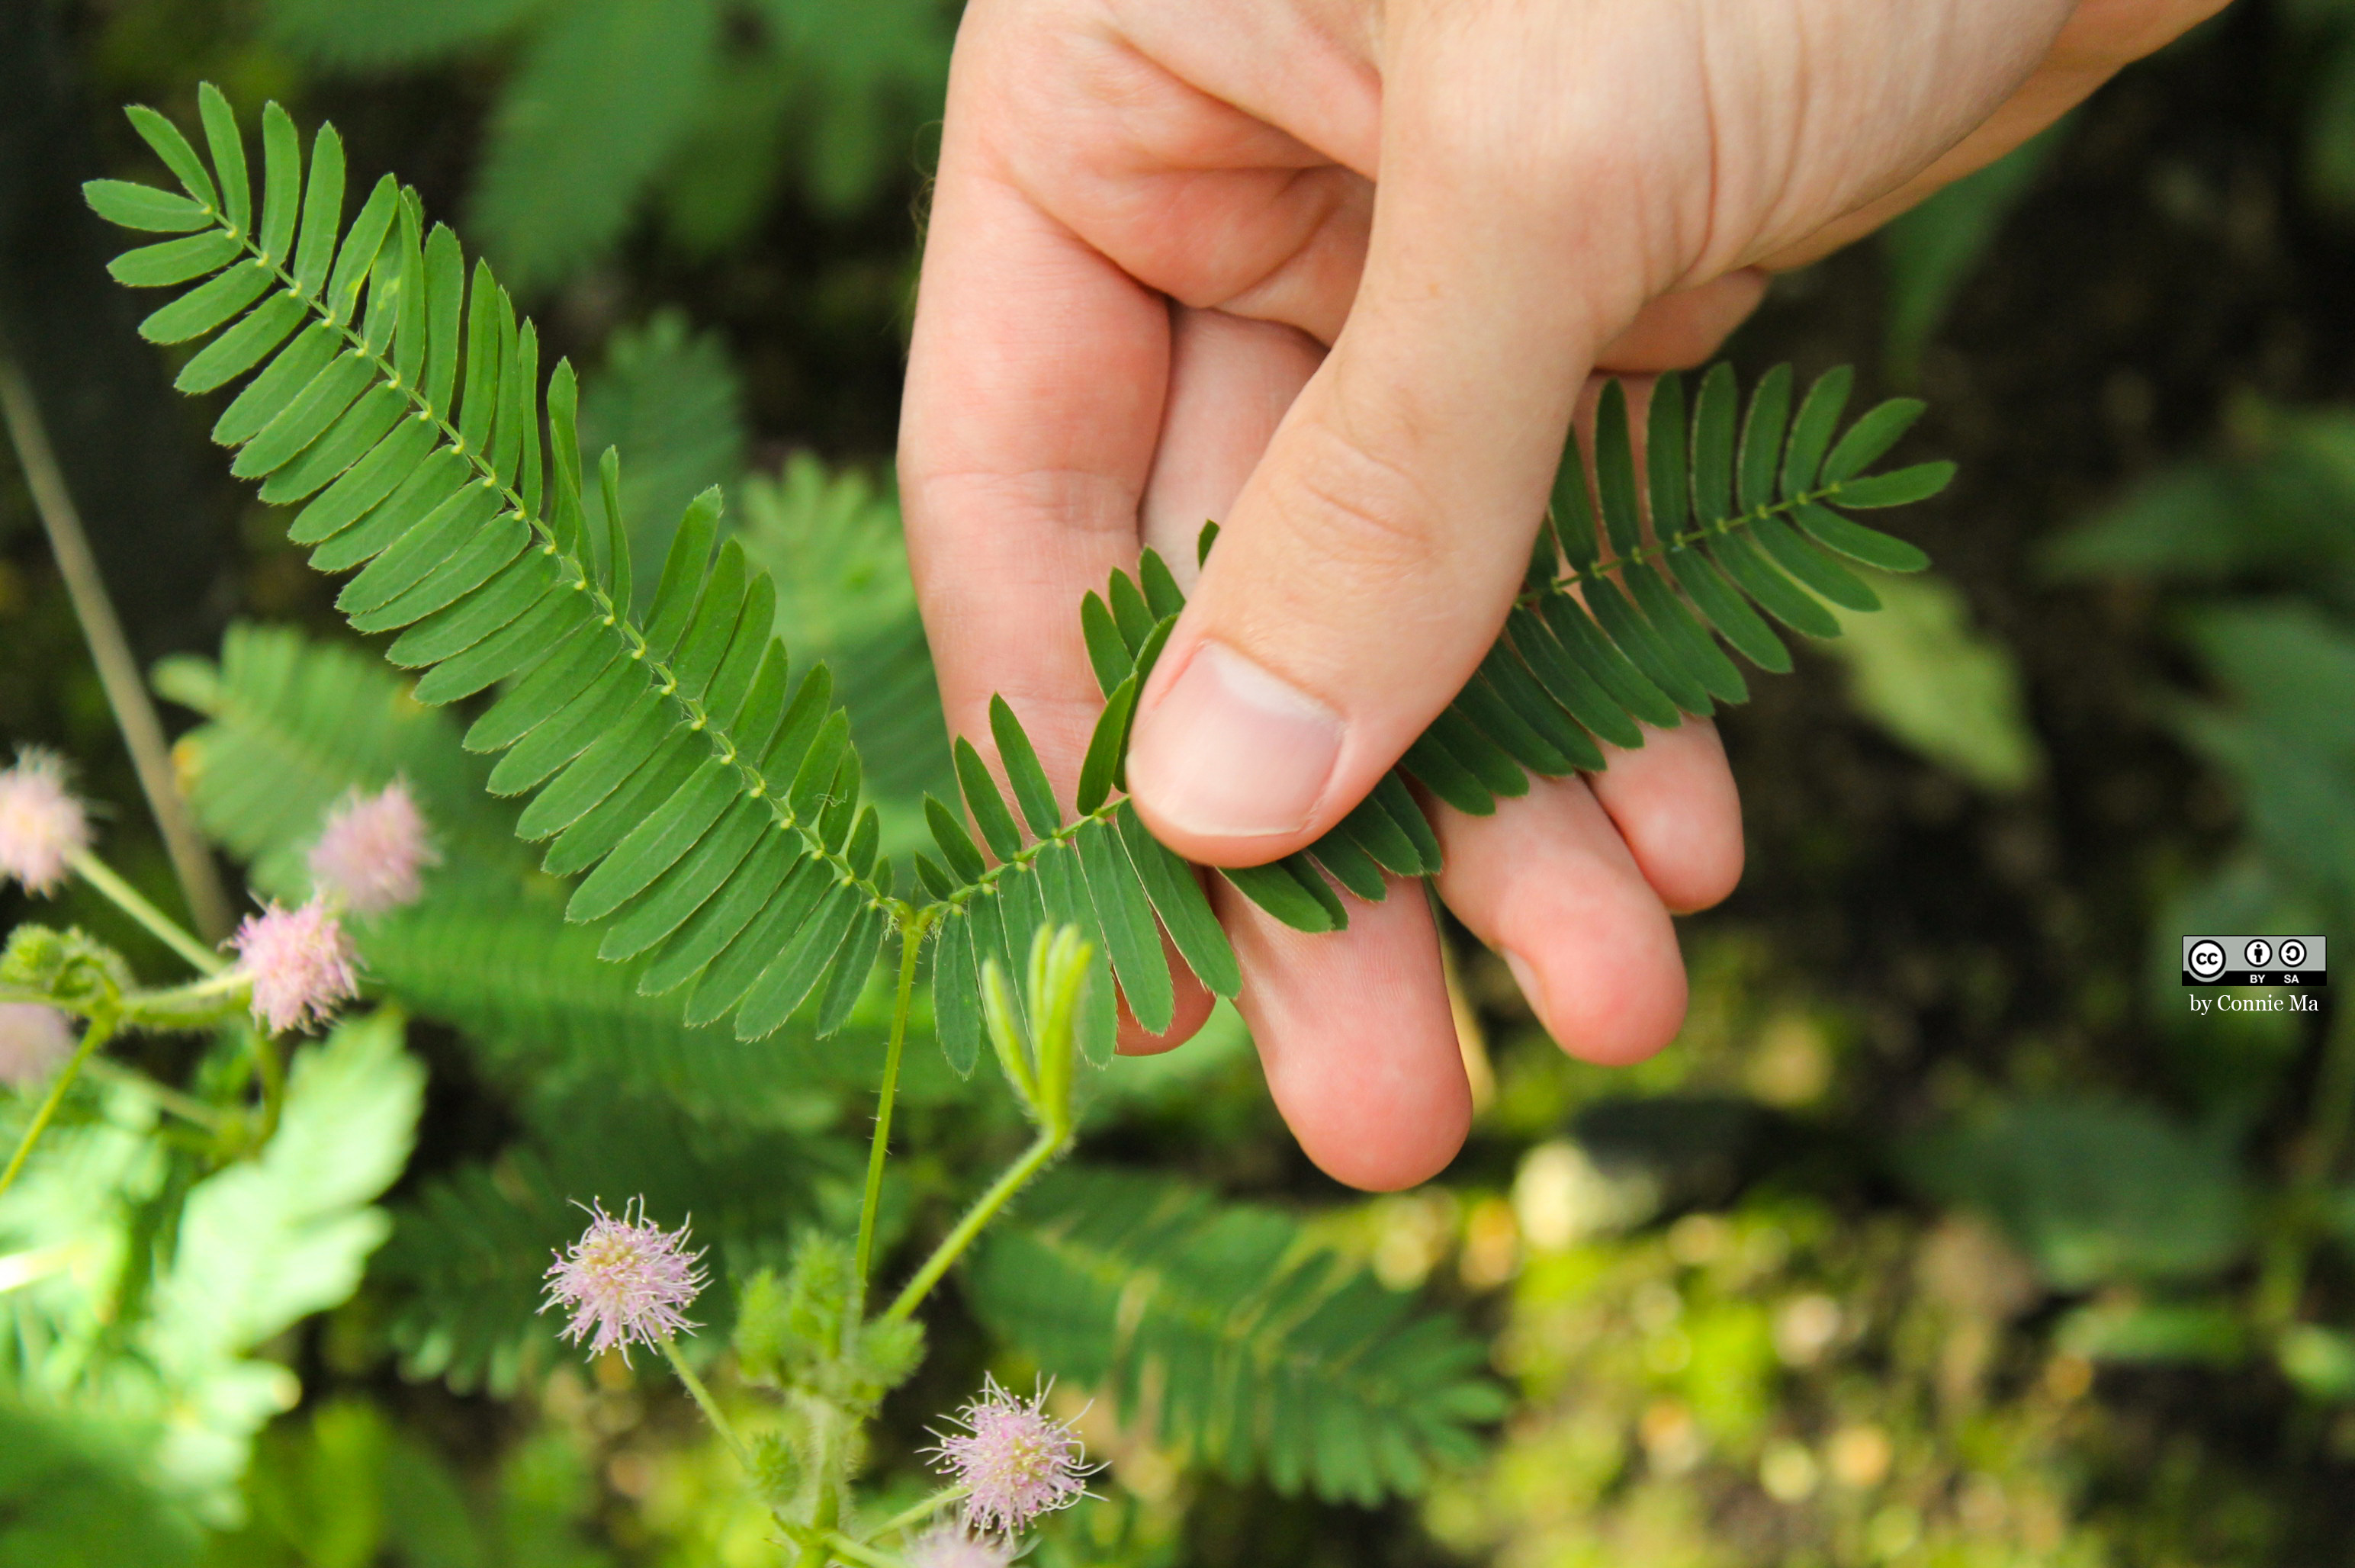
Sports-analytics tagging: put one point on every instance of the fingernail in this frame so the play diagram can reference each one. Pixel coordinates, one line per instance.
(1232, 751)
(1525, 976)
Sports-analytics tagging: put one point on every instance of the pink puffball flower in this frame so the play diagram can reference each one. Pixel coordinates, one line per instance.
(300, 962)
(626, 1278)
(35, 1041)
(951, 1545)
(42, 826)
(371, 851)
(1015, 1461)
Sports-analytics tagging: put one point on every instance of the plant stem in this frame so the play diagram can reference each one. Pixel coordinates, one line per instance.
(711, 1411)
(101, 876)
(912, 937)
(953, 1246)
(187, 1107)
(118, 670)
(845, 1547)
(94, 1034)
(922, 1511)
(274, 1083)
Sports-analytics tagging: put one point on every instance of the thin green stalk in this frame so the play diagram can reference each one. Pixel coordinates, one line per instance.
(843, 1546)
(273, 1082)
(101, 876)
(922, 1511)
(187, 1107)
(710, 1408)
(118, 670)
(94, 1034)
(911, 938)
(953, 1246)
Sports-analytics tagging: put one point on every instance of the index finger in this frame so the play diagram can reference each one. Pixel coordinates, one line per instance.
(1034, 381)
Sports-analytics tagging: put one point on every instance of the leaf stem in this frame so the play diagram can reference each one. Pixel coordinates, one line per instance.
(911, 926)
(95, 1033)
(843, 1546)
(953, 1246)
(102, 876)
(187, 1107)
(922, 1511)
(710, 1408)
(110, 650)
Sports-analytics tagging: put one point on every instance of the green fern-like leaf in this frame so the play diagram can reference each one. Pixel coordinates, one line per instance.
(708, 795)
(1232, 1338)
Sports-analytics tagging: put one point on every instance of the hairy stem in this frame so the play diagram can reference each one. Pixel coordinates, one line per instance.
(953, 1246)
(187, 1107)
(94, 1034)
(843, 1546)
(101, 876)
(922, 1511)
(118, 670)
(911, 938)
(710, 1408)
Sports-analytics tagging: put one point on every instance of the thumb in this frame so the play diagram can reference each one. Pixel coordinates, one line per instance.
(1371, 558)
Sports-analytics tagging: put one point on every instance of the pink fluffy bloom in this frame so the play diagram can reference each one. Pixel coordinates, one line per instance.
(1014, 1460)
(951, 1545)
(35, 1040)
(626, 1278)
(42, 826)
(371, 850)
(301, 964)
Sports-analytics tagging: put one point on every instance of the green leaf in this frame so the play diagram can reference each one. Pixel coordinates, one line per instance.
(606, 90)
(282, 183)
(987, 806)
(656, 844)
(1023, 770)
(1899, 488)
(1726, 611)
(1106, 746)
(1812, 431)
(1177, 898)
(1712, 448)
(1816, 570)
(1761, 438)
(323, 213)
(1289, 895)
(1775, 594)
(1125, 915)
(494, 606)
(2096, 1190)
(1857, 542)
(956, 984)
(226, 144)
(242, 346)
(1233, 1336)
(956, 846)
(1872, 435)
(1939, 686)
(144, 208)
(207, 306)
(1614, 469)
(174, 260)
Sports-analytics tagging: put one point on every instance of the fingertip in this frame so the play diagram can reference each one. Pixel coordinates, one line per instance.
(1678, 811)
(1356, 1037)
(1548, 883)
(1193, 1011)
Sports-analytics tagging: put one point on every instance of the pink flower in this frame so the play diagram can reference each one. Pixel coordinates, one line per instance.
(371, 850)
(627, 1278)
(1014, 1461)
(42, 826)
(35, 1040)
(301, 964)
(951, 1545)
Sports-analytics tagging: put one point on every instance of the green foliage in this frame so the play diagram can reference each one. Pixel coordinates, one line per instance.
(711, 803)
(671, 398)
(468, 1255)
(702, 107)
(1947, 691)
(1224, 1332)
(162, 1331)
(2094, 1191)
(71, 1495)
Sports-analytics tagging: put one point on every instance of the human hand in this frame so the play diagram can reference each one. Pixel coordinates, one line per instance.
(1165, 284)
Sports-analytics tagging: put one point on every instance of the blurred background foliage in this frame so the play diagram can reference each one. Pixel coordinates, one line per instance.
(1945, 1235)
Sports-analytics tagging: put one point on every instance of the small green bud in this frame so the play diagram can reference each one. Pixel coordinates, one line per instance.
(888, 1352)
(1040, 1061)
(72, 966)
